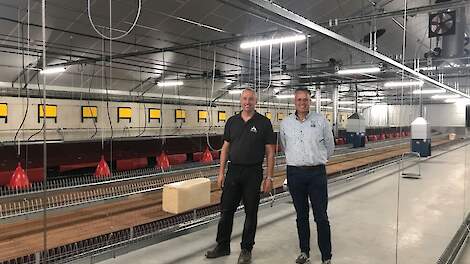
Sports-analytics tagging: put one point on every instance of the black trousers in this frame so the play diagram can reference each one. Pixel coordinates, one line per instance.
(304, 184)
(242, 183)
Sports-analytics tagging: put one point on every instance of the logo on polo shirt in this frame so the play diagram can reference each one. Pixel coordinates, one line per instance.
(253, 129)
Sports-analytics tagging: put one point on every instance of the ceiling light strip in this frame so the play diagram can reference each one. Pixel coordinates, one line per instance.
(403, 84)
(358, 71)
(274, 41)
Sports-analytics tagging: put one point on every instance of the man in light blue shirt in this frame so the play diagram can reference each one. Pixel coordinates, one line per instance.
(308, 144)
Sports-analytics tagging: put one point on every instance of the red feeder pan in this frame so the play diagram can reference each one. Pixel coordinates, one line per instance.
(102, 170)
(207, 156)
(163, 161)
(19, 179)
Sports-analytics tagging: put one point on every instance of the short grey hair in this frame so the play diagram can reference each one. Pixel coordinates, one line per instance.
(249, 89)
(303, 89)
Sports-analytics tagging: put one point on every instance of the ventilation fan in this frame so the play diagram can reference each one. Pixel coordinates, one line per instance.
(442, 24)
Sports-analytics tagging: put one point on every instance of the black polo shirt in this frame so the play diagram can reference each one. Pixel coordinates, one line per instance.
(248, 140)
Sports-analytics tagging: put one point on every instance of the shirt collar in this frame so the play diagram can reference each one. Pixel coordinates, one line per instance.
(306, 117)
(255, 115)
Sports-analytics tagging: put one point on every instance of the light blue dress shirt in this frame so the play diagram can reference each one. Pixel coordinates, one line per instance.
(307, 143)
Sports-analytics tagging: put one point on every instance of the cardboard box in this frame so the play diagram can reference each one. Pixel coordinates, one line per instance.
(186, 195)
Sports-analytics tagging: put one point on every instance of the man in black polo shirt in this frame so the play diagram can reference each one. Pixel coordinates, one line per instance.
(248, 137)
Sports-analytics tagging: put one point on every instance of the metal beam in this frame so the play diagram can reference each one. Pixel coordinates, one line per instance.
(140, 84)
(271, 7)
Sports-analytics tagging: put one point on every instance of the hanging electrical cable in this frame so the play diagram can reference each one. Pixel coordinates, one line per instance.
(270, 69)
(178, 103)
(249, 66)
(44, 111)
(259, 74)
(280, 65)
(102, 97)
(254, 69)
(110, 27)
(26, 79)
(89, 95)
(143, 102)
(106, 83)
(110, 65)
(161, 104)
(210, 104)
(25, 87)
(42, 98)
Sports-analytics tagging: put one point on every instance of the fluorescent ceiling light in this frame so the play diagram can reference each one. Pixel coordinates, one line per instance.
(51, 70)
(339, 108)
(236, 91)
(368, 93)
(432, 68)
(359, 71)
(322, 100)
(346, 109)
(259, 43)
(404, 84)
(169, 83)
(366, 104)
(346, 102)
(464, 101)
(430, 91)
(285, 96)
(445, 96)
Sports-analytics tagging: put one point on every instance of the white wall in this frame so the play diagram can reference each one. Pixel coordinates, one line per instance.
(438, 115)
(69, 120)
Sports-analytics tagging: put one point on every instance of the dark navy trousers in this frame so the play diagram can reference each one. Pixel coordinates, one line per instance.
(305, 183)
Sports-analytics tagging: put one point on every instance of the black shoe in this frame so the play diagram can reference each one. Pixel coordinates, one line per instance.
(303, 259)
(217, 252)
(245, 257)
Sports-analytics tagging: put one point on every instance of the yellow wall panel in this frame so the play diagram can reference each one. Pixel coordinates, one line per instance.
(51, 111)
(3, 110)
(180, 114)
(269, 115)
(124, 113)
(154, 113)
(280, 116)
(202, 115)
(89, 111)
(222, 116)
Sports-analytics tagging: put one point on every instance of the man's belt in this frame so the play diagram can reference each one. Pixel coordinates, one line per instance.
(316, 167)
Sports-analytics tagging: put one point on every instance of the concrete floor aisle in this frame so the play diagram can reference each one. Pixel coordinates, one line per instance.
(363, 218)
